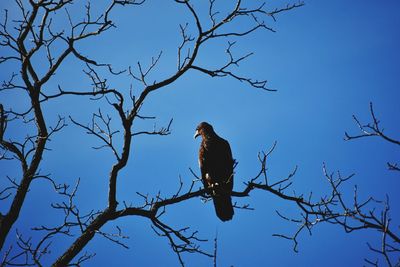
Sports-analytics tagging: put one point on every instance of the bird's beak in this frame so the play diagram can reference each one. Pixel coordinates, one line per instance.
(196, 134)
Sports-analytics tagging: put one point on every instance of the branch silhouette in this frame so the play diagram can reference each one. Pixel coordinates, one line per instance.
(33, 35)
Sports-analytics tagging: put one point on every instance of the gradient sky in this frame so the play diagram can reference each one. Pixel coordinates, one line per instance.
(327, 60)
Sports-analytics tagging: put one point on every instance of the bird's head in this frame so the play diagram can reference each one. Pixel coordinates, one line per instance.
(204, 129)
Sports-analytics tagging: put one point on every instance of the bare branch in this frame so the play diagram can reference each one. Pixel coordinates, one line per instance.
(370, 129)
(104, 134)
(373, 129)
(161, 131)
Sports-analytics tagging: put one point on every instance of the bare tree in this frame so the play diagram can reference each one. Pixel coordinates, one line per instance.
(352, 214)
(33, 38)
(32, 35)
(390, 243)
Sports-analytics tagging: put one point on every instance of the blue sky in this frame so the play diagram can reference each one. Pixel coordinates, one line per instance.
(327, 60)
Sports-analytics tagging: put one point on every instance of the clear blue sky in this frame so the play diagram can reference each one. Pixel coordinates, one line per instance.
(328, 60)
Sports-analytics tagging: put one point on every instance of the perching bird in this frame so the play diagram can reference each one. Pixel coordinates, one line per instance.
(216, 165)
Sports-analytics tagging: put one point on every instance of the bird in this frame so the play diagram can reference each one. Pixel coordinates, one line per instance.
(216, 165)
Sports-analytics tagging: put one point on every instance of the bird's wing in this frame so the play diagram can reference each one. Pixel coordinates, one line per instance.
(203, 164)
(226, 162)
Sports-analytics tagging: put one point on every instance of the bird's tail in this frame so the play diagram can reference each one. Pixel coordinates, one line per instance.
(223, 207)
